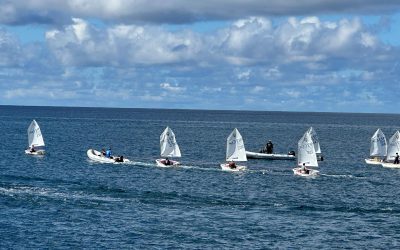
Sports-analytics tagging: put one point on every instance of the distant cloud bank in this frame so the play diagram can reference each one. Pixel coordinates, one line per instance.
(179, 11)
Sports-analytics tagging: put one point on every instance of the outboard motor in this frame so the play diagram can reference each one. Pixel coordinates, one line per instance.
(292, 153)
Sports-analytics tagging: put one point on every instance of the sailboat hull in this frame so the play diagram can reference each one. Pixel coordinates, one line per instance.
(39, 152)
(226, 167)
(312, 172)
(374, 161)
(160, 163)
(390, 165)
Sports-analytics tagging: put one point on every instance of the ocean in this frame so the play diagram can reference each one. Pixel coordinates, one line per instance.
(63, 200)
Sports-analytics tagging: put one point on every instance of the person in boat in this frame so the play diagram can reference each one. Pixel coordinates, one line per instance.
(396, 159)
(108, 153)
(119, 159)
(232, 164)
(32, 150)
(167, 162)
(103, 152)
(270, 147)
(304, 170)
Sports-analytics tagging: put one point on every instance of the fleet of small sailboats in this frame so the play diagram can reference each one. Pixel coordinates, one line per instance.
(308, 151)
(169, 148)
(235, 152)
(35, 140)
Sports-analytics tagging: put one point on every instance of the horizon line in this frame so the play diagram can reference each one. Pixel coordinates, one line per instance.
(194, 109)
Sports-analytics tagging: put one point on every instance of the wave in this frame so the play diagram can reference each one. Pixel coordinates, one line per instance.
(347, 209)
(27, 192)
(344, 176)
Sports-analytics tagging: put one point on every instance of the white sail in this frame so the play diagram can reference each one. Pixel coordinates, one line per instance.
(394, 146)
(169, 146)
(306, 151)
(35, 137)
(235, 150)
(315, 140)
(378, 144)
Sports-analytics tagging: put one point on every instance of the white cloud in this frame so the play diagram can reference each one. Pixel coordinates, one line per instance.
(11, 54)
(210, 89)
(244, 75)
(251, 41)
(292, 93)
(272, 73)
(85, 44)
(36, 92)
(148, 97)
(172, 88)
(257, 89)
(369, 97)
(368, 40)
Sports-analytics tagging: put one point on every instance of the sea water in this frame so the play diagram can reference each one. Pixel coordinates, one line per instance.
(63, 200)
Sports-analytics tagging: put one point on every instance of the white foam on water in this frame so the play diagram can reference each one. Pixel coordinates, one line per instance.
(344, 176)
(262, 171)
(200, 168)
(54, 194)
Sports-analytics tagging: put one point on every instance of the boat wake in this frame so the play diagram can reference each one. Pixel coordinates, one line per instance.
(344, 176)
(28, 192)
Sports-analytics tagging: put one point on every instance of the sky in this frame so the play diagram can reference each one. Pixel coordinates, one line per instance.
(292, 55)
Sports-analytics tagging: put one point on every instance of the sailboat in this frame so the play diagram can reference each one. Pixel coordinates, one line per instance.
(378, 148)
(393, 148)
(35, 140)
(235, 152)
(169, 148)
(306, 156)
(315, 141)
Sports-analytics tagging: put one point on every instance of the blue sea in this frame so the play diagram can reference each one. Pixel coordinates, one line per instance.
(63, 200)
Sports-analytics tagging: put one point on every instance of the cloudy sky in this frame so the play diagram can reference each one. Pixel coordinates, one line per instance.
(292, 55)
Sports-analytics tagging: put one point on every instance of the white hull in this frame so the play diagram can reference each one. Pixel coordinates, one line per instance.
(373, 161)
(160, 163)
(39, 152)
(95, 155)
(390, 165)
(255, 155)
(313, 172)
(225, 167)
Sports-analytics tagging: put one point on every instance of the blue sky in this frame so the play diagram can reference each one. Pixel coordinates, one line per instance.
(303, 55)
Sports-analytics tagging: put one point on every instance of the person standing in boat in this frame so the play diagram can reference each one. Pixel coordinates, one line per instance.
(32, 149)
(269, 147)
(108, 153)
(396, 159)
